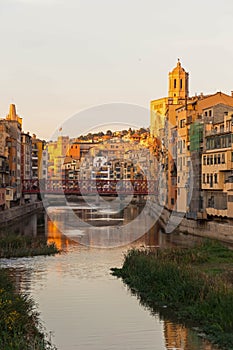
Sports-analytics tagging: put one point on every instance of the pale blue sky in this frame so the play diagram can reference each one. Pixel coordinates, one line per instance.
(61, 56)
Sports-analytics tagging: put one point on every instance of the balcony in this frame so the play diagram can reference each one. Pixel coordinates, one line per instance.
(218, 132)
(4, 169)
(228, 186)
(2, 196)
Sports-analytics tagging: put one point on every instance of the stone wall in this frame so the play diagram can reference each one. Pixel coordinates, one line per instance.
(222, 231)
(19, 211)
(215, 229)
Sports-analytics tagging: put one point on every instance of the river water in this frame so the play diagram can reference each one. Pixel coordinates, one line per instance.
(80, 304)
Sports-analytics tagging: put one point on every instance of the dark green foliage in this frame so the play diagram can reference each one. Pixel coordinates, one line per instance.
(19, 246)
(189, 281)
(19, 324)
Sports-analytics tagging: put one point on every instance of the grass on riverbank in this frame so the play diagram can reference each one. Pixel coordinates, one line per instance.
(23, 246)
(195, 283)
(20, 328)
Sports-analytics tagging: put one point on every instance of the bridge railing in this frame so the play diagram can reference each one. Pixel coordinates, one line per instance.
(81, 187)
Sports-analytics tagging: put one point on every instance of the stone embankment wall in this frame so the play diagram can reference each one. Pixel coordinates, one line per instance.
(216, 229)
(19, 211)
(222, 231)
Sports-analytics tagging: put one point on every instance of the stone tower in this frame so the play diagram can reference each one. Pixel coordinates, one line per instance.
(178, 84)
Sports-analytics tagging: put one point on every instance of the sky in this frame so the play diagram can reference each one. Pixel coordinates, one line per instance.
(61, 57)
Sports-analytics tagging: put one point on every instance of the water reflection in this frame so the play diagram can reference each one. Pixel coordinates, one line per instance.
(55, 236)
(178, 337)
(86, 307)
(107, 225)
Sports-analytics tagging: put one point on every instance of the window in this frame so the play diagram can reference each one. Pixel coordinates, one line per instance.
(208, 179)
(182, 123)
(223, 158)
(181, 83)
(203, 178)
(211, 202)
(204, 160)
(174, 83)
(211, 180)
(215, 178)
(180, 162)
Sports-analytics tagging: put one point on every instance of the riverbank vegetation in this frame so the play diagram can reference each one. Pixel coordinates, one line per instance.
(195, 284)
(19, 323)
(20, 328)
(23, 246)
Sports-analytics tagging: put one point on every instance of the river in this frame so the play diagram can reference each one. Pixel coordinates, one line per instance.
(80, 304)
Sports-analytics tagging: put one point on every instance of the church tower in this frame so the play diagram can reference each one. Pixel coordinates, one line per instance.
(178, 84)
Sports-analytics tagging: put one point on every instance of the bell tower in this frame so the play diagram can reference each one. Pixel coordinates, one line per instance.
(178, 84)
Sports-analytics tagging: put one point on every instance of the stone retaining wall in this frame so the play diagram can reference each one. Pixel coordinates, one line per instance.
(212, 229)
(216, 229)
(19, 211)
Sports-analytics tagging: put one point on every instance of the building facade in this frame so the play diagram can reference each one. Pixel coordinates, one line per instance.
(195, 150)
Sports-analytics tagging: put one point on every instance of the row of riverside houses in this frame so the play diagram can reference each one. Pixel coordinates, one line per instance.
(194, 141)
(22, 157)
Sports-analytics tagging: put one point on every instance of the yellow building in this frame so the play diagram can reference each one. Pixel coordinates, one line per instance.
(178, 121)
(162, 124)
(57, 151)
(38, 147)
(177, 94)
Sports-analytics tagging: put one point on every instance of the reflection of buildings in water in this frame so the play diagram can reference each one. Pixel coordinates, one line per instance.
(178, 337)
(55, 236)
(103, 226)
(152, 238)
(22, 278)
(175, 336)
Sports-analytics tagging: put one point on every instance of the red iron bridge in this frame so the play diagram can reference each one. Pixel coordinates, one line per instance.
(85, 187)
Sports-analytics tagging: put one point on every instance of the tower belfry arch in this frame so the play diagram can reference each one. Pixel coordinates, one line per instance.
(178, 84)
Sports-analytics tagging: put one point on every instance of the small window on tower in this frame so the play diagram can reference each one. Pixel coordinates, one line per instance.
(181, 83)
(174, 83)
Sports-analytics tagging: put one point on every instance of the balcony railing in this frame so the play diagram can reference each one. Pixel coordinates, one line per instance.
(219, 132)
(4, 168)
